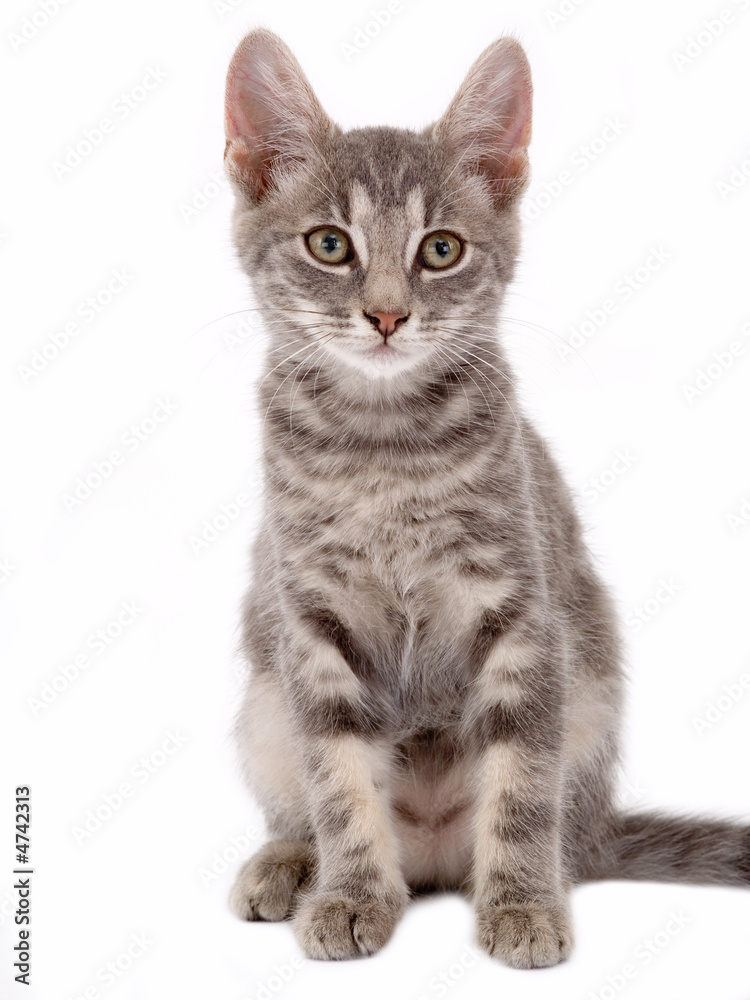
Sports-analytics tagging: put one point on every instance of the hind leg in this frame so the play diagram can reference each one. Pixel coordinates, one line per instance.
(270, 759)
(267, 884)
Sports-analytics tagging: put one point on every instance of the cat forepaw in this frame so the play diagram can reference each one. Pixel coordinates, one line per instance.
(525, 936)
(266, 885)
(333, 926)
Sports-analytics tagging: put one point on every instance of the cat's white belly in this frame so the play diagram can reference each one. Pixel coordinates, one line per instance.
(433, 819)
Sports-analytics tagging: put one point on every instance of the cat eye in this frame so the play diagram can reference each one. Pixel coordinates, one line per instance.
(329, 245)
(440, 250)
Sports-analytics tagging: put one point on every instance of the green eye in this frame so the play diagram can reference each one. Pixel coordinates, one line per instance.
(329, 245)
(440, 250)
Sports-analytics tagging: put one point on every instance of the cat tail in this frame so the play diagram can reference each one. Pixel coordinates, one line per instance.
(652, 846)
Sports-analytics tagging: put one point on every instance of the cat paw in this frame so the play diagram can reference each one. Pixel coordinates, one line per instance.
(266, 885)
(524, 936)
(332, 926)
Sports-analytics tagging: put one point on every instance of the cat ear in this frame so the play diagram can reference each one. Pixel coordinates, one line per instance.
(488, 123)
(272, 116)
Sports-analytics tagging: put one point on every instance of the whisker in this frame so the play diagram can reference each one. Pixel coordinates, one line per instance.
(307, 343)
(211, 322)
(313, 348)
(490, 408)
(294, 398)
(462, 349)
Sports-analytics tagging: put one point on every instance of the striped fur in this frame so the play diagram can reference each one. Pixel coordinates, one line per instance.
(436, 685)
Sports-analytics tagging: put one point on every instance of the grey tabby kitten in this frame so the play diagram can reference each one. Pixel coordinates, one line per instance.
(436, 689)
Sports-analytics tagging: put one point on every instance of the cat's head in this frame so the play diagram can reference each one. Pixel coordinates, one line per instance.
(382, 250)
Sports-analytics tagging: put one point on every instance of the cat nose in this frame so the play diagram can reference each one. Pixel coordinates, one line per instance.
(386, 323)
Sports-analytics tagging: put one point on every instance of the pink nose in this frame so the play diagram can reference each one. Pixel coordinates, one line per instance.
(386, 323)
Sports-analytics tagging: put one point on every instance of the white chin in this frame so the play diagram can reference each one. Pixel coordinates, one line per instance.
(380, 361)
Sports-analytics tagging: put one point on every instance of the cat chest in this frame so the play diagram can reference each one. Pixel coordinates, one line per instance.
(427, 565)
(411, 609)
(408, 575)
(430, 510)
(400, 536)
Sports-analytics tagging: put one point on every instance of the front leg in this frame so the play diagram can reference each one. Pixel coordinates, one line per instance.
(358, 892)
(520, 889)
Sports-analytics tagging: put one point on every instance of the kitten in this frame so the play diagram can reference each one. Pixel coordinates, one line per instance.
(436, 689)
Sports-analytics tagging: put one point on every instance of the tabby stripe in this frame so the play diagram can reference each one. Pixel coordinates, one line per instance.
(530, 722)
(336, 715)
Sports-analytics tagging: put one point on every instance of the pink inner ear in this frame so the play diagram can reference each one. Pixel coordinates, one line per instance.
(257, 83)
(248, 105)
(247, 153)
(504, 96)
(518, 131)
(272, 117)
(233, 105)
(489, 121)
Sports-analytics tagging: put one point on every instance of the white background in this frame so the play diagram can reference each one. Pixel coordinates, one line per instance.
(171, 334)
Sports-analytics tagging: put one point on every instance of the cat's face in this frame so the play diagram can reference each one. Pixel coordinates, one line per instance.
(382, 250)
